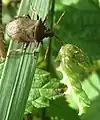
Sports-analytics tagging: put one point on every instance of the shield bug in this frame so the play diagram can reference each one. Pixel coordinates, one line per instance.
(21, 29)
(26, 30)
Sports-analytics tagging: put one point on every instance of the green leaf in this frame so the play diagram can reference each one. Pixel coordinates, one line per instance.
(44, 88)
(72, 61)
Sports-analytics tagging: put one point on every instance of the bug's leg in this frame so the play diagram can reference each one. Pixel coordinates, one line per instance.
(45, 19)
(36, 13)
(37, 17)
(14, 51)
(10, 52)
(46, 52)
(28, 16)
(18, 50)
(25, 47)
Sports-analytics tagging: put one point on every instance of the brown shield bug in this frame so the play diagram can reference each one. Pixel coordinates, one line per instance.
(25, 30)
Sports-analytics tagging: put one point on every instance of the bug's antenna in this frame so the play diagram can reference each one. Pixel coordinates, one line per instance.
(59, 19)
(61, 42)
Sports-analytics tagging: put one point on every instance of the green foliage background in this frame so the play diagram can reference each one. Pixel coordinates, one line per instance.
(79, 26)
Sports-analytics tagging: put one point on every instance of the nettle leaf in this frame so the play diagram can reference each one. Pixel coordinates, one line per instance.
(72, 63)
(44, 88)
(81, 27)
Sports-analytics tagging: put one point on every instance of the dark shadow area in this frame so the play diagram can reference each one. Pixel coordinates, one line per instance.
(59, 109)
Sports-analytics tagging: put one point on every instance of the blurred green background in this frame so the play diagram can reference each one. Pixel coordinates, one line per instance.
(79, 26)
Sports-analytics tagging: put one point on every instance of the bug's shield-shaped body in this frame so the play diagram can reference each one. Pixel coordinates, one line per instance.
(21, 29)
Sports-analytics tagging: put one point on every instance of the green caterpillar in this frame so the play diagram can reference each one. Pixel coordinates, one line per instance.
(72, 62)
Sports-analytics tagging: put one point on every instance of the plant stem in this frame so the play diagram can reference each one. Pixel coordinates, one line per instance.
(50, 40)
